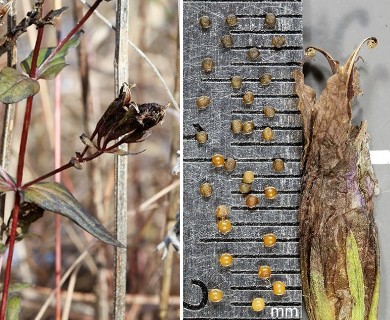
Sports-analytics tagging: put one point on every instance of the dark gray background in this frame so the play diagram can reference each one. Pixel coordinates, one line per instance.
(338, 27)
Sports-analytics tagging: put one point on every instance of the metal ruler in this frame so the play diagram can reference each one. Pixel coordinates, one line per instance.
(224, 39)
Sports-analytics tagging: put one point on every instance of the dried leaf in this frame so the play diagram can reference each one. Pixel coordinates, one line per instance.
(338, 236)
(7, 183)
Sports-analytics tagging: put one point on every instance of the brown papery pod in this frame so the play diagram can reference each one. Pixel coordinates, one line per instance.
(338, 236)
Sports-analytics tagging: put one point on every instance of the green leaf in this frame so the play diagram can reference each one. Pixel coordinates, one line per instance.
(55, 197)
(52, 68)
(15, 87)
(13, 308)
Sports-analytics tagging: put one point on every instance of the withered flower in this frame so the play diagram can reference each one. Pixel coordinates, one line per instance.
(338, 236)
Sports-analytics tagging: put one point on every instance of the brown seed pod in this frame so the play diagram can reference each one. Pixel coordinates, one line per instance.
(230, 164)
(202, 102)
(206, 190)
(248, 177)
(222, 212)
(270, 20)
(251, 201)
(278, 165)
(231, 20)
(270, 193)
(265, 79)
(236, 82)
(253, 54)
(248, 97)
(267, 134)
(236, 126)
(245, 187)
(218, 160)
(247, 127)
(227, 41)
(278, 41)
(269, 112)
(201, 137)
(207, 65)
(205, 22)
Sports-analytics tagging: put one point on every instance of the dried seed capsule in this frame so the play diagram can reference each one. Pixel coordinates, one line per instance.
(236, 82)
(269, 240)
(258, 304)
(201, 137)
(278, 165)
(278, 288)
(236, 126)
(270, 20)
(227, 41)
(269, 112)
(267, 134)
(247, 127)
(270, 193)
(215, 295)
(251, 201)
(278, 41)
(310, 52)
(202, 102)
(264, 272)
(205, 22)
(253, 54)
(248, 177)
(222, 212)
(231, 20)
(207, 65)
(230, 164)
(224, 226)
(225, 259)
(248, 97)
(245, 187)
(265, 79)
(218, 160)
(206, 189)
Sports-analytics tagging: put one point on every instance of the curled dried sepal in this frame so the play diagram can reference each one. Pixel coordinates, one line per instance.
(121, 152)
(76, 163)
(7, 183)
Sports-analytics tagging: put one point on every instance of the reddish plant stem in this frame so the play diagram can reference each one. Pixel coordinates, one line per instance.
(19, 178)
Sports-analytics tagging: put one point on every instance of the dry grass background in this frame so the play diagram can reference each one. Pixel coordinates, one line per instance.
(154, 29)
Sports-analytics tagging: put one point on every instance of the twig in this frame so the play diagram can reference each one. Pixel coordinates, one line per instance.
(69, 293)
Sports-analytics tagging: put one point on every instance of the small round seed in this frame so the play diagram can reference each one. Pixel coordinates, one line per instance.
(231, 20)
(270, 193)
(251, 201)
(245, 187)
(248, 97)
(267, 134)
(247, 127)
(215, 295)
(278, 41)
(236, 126)
(269, 112)
(278, 165)
(227, 41)
(222, 212)
(278, 288)
(218, 160)
(225, 259)
(258, 304)
(265, 79)
(202, 102)
(230, 164)
(264, 272)
(201, 137)
(224, 226)
(269, 240)
(270, 20)
(236, 82)
(248, 177)
(205, 22)
(253, 54)
(207, 65)
(206, 189)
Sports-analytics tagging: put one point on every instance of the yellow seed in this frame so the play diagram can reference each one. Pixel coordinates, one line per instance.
(265, 79)
(218, 160)
(264, 272)
(206, 190)
(231, 20)
(230, 164)
(269, 240)
(310, 52)
(236, 126)
(245, 187)
(236, 82)
(202, 102)
(207, 65)
(224, 226)
(278, 288)
(227, 41)
(267, 134)
(278, 41)
(251, 201)
(225, 259)
(258, 304)
(247, 127)
(201, 137)
(270, 193)
(248, 97)
(215, 295)
(253, 54)
(205, 22)
(248, 177)
(222, 211)
(269, 112)
(278, 165)
(270, 20)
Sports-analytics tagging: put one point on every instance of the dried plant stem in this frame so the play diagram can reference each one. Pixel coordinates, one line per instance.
(69, 293)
